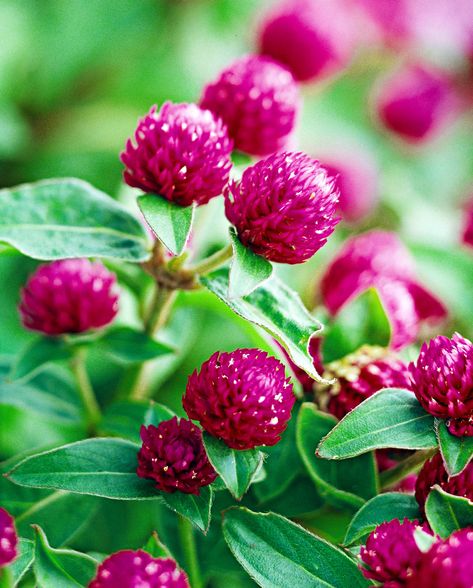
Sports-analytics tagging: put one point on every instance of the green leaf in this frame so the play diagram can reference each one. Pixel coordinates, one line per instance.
(155, 547)
(276, 552)
(447, 513)
(390, 418)
(130, 345)
(247, 270)
(424, 541)
(195, 508)
(38, 354)
(456, 451)
(60, 218)
(348, 484)
(362, 322)
(382, 508)
(99, 467)
(169, 222)
(24, 560)
(236, 468)
(61, 568)
(277, 309)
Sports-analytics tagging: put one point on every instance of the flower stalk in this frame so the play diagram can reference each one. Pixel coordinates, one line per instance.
(86, 391)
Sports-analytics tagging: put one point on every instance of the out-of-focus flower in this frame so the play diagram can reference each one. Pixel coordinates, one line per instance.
(442, 382)
(69, 296)
(242, 397)
(433, 472)
(417, 102)
(138, 569)
(391, 555)
(391, 18)
(378, 259)
(173, 455)
(283, 207)
(181, 152)
(258, 99)
(467, 236)
(8, 539)
(313, 40)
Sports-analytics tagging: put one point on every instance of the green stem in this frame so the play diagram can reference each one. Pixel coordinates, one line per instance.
(92, 409)
(186, 536)
(413, 463)
(213, 261)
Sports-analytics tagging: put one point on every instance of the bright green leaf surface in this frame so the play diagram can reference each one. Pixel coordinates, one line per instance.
(130, 345)
(38, 354)
(24, 560)
(196, 508)
(447, 513)
(456, 451)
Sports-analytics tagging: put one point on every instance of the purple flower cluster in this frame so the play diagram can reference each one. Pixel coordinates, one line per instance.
(8, 539)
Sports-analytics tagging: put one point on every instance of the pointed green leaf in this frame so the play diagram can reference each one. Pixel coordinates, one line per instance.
(23, 562)
(38, 354)
(424, 541)
(277, 309)
(155, 547)
(130, 345)
(169, 222)
(456, 451)
(236, 468)
(447, 513)
(276, 552)
(67, 217)
(195, 508)
(247, 270)
(391, 418)
(348, 484)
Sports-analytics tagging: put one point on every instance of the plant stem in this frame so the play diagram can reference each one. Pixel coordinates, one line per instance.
(213, 261)
(186, 536)
(92, 409)
(411, 464)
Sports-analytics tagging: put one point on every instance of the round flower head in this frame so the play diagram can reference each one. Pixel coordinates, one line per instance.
(8, 539)
(433, 473)
(310, 40)
(173, 455)
(258, 100)
(467, 236)
(391, 555)
(69, 296)
(443, 382)
(181, 152)
(447, 564)
(283, 207)
(417, 103)
(359, 376)
(138, 569)
(242, 397)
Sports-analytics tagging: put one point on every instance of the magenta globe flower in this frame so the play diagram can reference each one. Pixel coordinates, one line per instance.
(173, 455)
(138, 569)
(311, 40)
(69, 296)
(181, 152)
(467, 236)
(258, 100)
(447, 564)
(417, 103)
(391, 555)
(443, 376)
(242, 397)
(433, 472)
(8, 539)
(283, 207)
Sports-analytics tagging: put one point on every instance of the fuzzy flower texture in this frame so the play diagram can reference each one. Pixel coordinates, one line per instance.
(283, 207)
(69, 296)
(8, 539)
(443, 382)
(181, 152)
(173, 455)
(138, 569)
(242, 397)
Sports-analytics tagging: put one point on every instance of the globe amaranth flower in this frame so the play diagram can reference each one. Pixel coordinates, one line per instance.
(181, 152)
(417, 102)
(173, 455)
(283, 207)
(433, 473)
(311, 40)
(467, 236)
(69, 296)
(138, 569)
(242, 397)
(378, 259)
(447, 564)
(258, 99)
(443, 382)
(360, 375)
(8, 539)
(391, 555)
